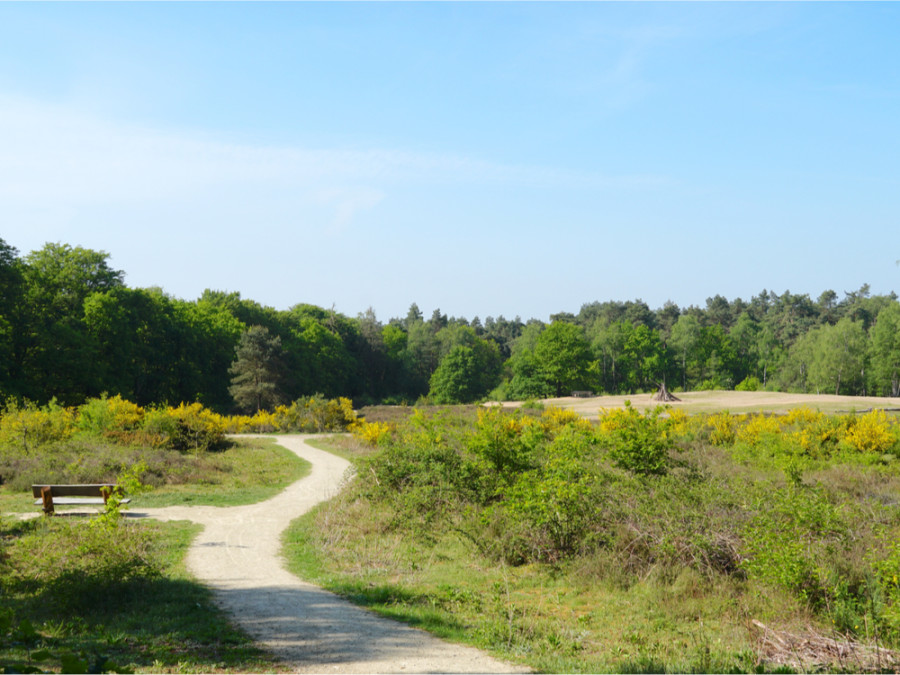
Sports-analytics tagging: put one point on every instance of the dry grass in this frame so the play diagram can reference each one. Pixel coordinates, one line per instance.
(732, 401)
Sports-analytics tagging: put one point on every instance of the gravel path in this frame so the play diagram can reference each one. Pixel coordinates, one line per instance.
(311, 630)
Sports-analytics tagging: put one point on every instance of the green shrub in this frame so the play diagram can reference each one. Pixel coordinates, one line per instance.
(794, 531)
(556, 502)
(749, 383)
(187, 427)
(315, 414)
(637, 442)
(101, 415)
(504, 443)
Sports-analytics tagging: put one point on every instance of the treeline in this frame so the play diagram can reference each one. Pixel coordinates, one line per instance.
(70, 329)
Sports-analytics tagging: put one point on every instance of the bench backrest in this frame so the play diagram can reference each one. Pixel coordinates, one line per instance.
(91, 490)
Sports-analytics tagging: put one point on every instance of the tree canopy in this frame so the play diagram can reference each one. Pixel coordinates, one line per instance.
(71, 329)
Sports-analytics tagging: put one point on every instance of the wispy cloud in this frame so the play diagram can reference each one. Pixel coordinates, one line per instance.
(57, 162)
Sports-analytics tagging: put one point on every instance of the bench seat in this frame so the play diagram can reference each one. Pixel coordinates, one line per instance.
(69, 501)
(92, 494)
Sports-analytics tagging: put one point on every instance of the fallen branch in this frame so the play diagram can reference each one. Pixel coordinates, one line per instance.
(814, 651)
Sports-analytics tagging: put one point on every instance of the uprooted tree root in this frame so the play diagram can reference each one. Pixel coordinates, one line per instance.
(664, 395)
(815, 652)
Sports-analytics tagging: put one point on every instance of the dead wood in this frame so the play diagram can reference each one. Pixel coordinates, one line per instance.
(814, 651)
(664, 395)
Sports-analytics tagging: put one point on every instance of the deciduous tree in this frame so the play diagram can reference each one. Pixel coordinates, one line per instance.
(564, 356)
(885, 350)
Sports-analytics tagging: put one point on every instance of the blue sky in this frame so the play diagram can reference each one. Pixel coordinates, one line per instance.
(481, 158)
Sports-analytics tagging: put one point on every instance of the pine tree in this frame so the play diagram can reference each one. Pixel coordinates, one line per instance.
(256, 371)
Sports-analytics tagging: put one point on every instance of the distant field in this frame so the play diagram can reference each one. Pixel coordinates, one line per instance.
(732, 401)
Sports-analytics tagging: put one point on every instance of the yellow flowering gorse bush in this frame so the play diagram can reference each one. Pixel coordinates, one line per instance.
(723, 428)
(754, 427)
(554, 419)
(810, 432)
(30, 425)
(872, 432)
(371, 433)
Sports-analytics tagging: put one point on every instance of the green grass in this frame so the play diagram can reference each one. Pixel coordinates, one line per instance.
(342, 445)
(249, 470)
(158, 620)
(552, 618)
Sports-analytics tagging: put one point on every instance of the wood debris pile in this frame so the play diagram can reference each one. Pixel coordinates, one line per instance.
(813, 652)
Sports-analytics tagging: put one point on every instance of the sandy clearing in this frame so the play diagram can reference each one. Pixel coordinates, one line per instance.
(732, 401)
(310, 630)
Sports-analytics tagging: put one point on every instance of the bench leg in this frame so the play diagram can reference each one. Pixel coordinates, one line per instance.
(47, 496)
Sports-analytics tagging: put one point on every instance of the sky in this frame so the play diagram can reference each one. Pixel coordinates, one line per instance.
(484, 159)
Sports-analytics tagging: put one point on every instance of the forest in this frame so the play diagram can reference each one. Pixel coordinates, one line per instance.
(71, 330)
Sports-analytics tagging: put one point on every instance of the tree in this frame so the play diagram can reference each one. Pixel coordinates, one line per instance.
(836, 356)
(667, 316)
(57, 356)
(719, 312)
(685, 339)
(608, 343)
(371, 354)
(717, 356)
(256, 371)
(438, 321)
(136, 340)
(423, 354)
(744, 336)
(396, 355)
(11, 307)
(527, 380)
(467, 373)
(324, 364)
(207, 338)
(414, 315)
(564, 356)
(645, 352)
(885, 350)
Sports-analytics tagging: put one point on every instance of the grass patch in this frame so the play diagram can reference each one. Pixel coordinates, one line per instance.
(342, 445)
(81, 594)
(250, 471)
(552, 618)
(245, 471)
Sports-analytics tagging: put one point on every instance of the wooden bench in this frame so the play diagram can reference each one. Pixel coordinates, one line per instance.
(72, 495)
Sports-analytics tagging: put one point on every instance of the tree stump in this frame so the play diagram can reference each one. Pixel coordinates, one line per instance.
(664, 395)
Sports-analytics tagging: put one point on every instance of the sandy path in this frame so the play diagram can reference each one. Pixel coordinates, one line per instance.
(311, 630)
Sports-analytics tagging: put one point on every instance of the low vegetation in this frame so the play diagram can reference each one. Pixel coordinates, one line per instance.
(645, 542)
(642, 541)
(182, 452)
(111, 596)
(108, 594)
